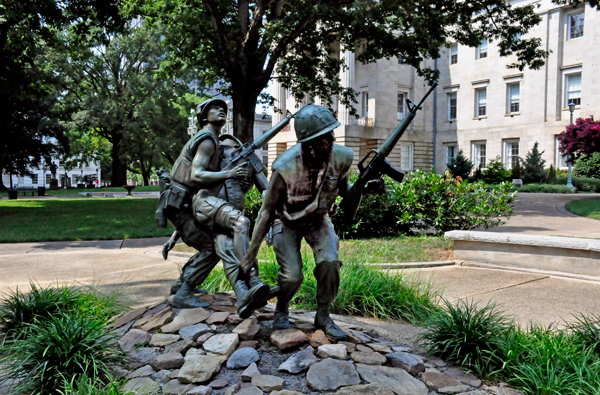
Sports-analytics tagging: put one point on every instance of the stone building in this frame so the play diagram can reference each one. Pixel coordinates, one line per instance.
(480, 106)
(67, 178)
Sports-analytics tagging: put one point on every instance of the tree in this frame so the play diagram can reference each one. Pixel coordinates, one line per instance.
(496, 173)
(241, 44)
(118, 97)
(580, 139)
(551, 178)
(533, 169)
(460, 166)
(29, 132)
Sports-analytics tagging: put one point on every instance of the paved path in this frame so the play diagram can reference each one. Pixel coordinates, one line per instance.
(544, 214)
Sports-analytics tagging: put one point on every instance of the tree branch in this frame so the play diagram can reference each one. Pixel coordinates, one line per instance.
(221, 36)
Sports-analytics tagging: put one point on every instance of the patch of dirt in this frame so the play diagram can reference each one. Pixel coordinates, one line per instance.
(444, 255)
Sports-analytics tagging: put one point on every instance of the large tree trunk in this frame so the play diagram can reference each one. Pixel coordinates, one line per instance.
(244, 104)
(2, 186)
(119, 172)
(145, 171)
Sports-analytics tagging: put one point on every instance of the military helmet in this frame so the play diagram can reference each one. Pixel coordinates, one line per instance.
(313, 121)
(202, 109)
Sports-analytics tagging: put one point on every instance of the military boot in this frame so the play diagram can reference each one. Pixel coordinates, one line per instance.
(185, 299)
(324, 322)
(261, 291)
(281, 319)
(177, 284)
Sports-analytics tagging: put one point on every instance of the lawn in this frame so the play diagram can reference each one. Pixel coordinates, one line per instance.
(76, 191)
(78, 219)
(586, 207)
(382, 250)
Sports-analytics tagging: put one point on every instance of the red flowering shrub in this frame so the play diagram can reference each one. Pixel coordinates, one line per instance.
(582, 138)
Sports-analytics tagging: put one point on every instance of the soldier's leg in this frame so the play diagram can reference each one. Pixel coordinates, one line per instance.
(286, 244)
(324, 243)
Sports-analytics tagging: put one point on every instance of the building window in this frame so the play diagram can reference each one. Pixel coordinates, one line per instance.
(561, 160)
(480, 102)
(576, 25)
(450, 152)
(573, 89)
(452, 106)
(511, 153)
(48, 178)
(454, 54)
(365, 104)
(34, 179)
(513, 102)
(406, 157)
(482, 49)
(479, 155)
(400, 106)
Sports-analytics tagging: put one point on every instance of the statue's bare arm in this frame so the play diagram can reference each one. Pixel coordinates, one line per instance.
(274, 197)
(203, 177)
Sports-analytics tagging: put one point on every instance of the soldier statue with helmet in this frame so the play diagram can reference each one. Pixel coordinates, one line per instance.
(203, 201)
(305, 183)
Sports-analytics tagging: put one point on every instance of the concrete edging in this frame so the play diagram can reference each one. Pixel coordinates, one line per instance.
(550, 253)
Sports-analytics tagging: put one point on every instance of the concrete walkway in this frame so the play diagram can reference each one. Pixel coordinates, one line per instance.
(544, 214)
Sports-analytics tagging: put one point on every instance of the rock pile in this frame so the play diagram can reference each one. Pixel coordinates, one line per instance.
(213, 351)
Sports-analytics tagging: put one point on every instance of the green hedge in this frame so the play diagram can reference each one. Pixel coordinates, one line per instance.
(545, 188)
(582, 184)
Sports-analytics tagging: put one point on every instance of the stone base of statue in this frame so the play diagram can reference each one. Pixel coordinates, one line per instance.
(54, 184)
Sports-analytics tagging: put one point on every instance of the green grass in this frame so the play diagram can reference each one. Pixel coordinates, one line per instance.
(78, 219)
(76, 191)
(585, 207)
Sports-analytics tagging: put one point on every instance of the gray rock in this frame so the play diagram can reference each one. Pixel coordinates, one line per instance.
(232, 390)
(181, 347)
(247, 329)
(299, 361)
(174, 387)
(223, 344)
(163, 339)
(462, 376)
(174, 373)
(368, 358)
(242, 358)
(168, 361)
(453, 389)
(199, 390)
(217, 384)
(128, 317)
(331, 374)
(120, 332)
(203, 338)
(199, 368)
(141, 384)
(363, 348)
(337, 351)
(268, 383)
(252, 390)
(394, 379)
(154, 321)
(371, 389)
(161, 377)
(382, 348)
(286, 392)
(288, 338)
(350, 347)
(144, 371)
(195, 351)
(132, 339)
(193, 332)
(409, 362)
(438, 380)
(250, 372)
(218, 318)
(141, 357)
(400, 349)
(186, 317)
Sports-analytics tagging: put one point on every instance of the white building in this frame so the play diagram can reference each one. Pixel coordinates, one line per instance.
(66, 178)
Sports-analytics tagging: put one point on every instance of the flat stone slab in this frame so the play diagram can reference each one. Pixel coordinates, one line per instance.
(199, 369)
(141, 357)
(299, 361)
(462, 376)
(132, 339)
(193, 332)
(155, 321)
(163, 339)
(396, 380)
(141, 384)
(144, 371)
(186, 317)
(368, 358)
(251, 390)
(223, 344)
(248, 329)
(268, 383)
(219, 317)
(172, 360)
(174, 387)
(332, 374)
(370, 389)
(318, 339)
(288, 338)
(250, 372)
(337, 351)
(242, 358)
(128, 317)
(409, 362)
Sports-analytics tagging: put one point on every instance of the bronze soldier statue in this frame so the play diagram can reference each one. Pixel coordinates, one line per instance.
(205, 220)
(305, 182)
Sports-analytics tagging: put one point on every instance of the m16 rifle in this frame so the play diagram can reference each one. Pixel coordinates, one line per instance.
(378, 166)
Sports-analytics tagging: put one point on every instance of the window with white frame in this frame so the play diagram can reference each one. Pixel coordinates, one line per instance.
(400, 106)
(511, 153)
(48, 178)
(481, 102)
(453, 54)
(482, 49)
(406, 160)
(573, 89)
(452, 104)
(561, 160)
(34, 179)
(450, 152)
(479, 155)
(576, 25)
(513, 104)
(365, 104)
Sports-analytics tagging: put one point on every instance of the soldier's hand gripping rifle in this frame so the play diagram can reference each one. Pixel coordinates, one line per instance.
(378, 166)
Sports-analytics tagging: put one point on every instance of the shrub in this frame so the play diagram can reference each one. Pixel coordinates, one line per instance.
(477, 175)
(533, 169)
(516, 172)
(460, 166)
(545, 188)
(496, 173)
(582, 184)
(551, 177)
(588, 166)
(48, 351)
(468, 334)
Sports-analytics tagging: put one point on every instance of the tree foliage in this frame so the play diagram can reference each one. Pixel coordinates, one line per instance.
(460, 166)
(496, 172)
(580, 139)
(533, 169)
(241, 44)
(588, 166)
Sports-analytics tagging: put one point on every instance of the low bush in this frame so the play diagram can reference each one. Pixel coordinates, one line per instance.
(545, 188)
(588, 166)
(582, 184)
(537, 360)
(496, 173)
